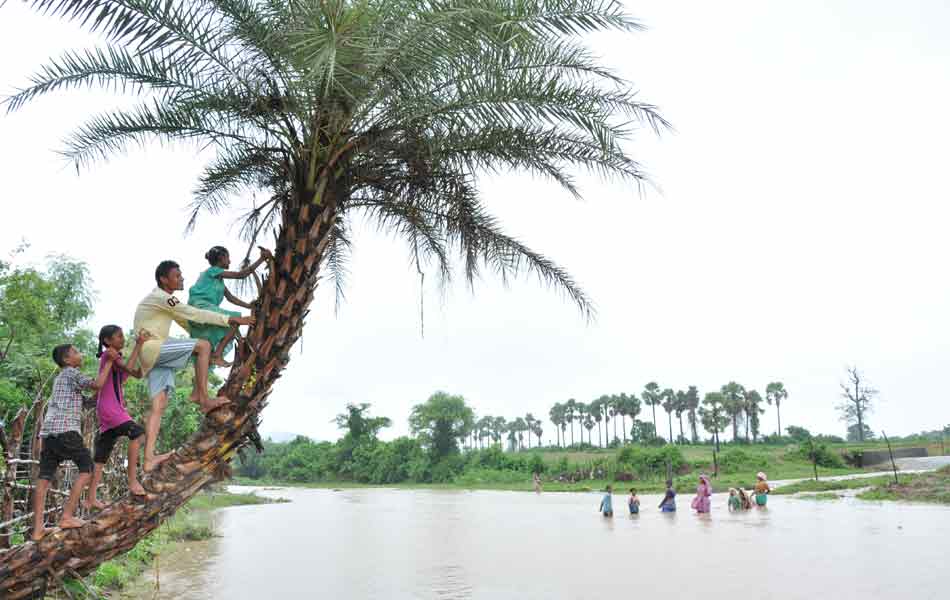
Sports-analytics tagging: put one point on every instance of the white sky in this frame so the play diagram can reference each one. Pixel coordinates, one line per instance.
(800, 228)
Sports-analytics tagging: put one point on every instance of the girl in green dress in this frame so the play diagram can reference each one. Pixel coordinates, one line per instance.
(208, 293)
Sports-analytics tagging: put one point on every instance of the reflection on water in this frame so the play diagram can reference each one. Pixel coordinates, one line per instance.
(456, 545)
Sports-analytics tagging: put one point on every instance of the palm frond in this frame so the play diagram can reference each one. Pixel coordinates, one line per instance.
(337, 262)
(111, 133)
(110, 68)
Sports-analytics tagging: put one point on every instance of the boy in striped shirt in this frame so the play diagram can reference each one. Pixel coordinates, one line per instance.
(61, 435)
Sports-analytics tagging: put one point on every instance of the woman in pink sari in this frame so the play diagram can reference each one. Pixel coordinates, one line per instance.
(703, 492)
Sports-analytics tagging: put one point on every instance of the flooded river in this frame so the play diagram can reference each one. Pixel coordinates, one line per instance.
(374, 543)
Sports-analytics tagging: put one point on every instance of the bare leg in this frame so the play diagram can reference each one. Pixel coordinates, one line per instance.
(91, 501)
(200, 393)
(69, 520)
(152, 427)
(39, 503)
(134, 486)
(217, 359)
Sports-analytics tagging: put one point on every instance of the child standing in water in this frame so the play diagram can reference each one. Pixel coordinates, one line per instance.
(703, 492)
(735, 503)
(114, 419)
(606, 504)
(633, 503)
(669, 500)
(209, 292)
(762, 489)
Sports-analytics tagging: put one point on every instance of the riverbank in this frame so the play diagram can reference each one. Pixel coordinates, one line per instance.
(932, 487)
(193, 522)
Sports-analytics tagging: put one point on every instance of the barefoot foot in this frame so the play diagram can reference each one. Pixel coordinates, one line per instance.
(95, 505)
(71, 523)
(156, 460)
(136, 489)
(38, 536)
(211, 404)
(219, 362)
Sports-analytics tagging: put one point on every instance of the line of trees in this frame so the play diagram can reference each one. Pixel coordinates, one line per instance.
(733, 405)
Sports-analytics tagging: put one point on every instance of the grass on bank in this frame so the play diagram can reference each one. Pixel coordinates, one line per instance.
(192, 522)
(922, 487)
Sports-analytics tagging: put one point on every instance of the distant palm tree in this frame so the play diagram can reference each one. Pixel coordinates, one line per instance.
(681, 405)
(597, 412)
(651, 397)
(336, 112)
(570, 414)
(734, 404)
(776, 393)
(753, 402)
(692, 404)
(582, 413)
(668, 397)
(529, 427)
(556, 416)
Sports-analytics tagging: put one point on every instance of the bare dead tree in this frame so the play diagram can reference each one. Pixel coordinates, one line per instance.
(858, 396)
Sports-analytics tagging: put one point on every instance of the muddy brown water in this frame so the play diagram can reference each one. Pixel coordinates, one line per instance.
(372, 543)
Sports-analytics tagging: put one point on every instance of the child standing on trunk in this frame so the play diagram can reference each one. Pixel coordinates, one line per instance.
(61, 435)
(114, 419)
(209, 292)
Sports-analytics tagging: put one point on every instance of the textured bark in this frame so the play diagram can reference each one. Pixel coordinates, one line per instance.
(262, 355)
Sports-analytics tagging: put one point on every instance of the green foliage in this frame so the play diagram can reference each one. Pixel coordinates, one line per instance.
(798, 434)
(642, 431)
(647, 463)
(440, 423)
(40, 309)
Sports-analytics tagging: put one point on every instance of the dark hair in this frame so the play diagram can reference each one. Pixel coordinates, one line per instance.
(163, 269)
(105, 333)
(215, 254)
(59, 354)
(633, 490)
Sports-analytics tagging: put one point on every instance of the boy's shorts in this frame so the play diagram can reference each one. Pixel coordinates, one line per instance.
(172, 357)
(61, 447)
(105, 440)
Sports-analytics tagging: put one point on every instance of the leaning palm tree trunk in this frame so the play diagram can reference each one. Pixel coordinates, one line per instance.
(284, 302)
(338, 112)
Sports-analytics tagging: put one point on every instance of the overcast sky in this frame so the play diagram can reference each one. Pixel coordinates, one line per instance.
(800, 227)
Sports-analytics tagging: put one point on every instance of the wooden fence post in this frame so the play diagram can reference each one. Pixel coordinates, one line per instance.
(891, 452)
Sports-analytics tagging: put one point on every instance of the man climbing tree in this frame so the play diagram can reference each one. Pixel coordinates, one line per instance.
(337, 111)
(161, 357)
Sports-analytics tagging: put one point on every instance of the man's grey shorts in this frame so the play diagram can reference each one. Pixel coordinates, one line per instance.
(173, 357)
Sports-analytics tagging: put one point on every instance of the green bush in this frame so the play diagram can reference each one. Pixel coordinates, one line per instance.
(649, 462)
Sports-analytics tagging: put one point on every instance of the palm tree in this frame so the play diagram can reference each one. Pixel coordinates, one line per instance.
(597, 412)
(499, 427)
(556, 416)
(681, 405)
(614, 406)
(529, 427)
(582, 411)
(570, 412)
(484, 429)
(734, 405)
(714, 415)
(776, 393)
(753, 401)
(538, 430)
(336, 111)
(589, 424)
(651, 397)
(519, 426)
(630, 407)
(692, 404)
(668, 397)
